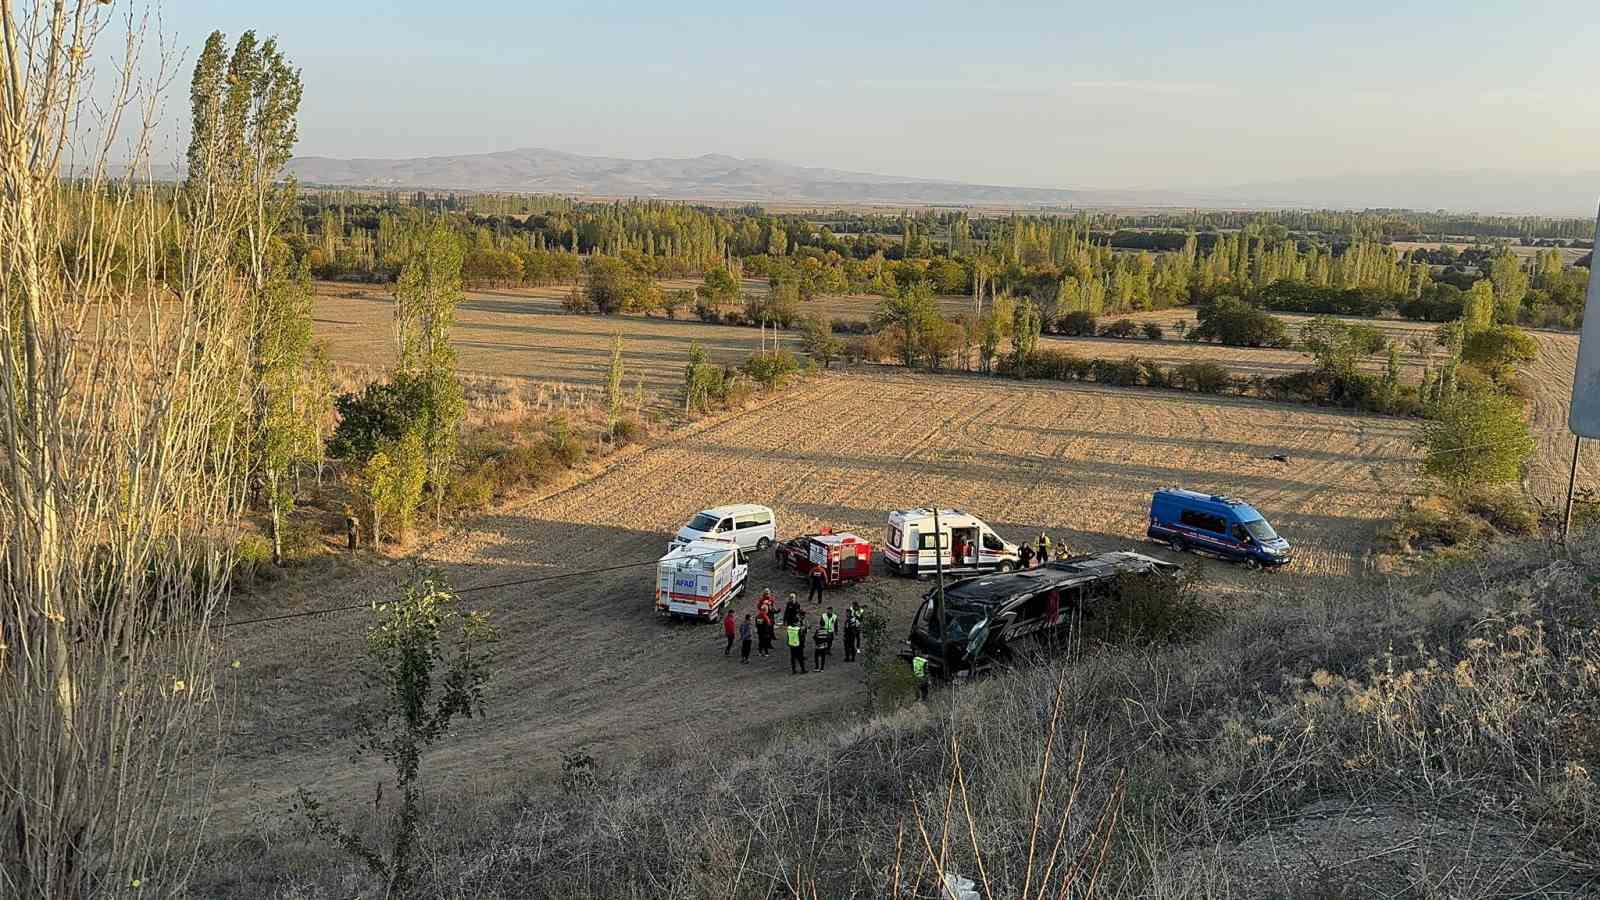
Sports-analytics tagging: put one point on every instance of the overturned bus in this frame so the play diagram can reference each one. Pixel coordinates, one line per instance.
(994, 618)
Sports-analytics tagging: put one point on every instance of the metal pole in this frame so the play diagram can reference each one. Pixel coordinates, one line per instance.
(1572, 484)
(938, 597)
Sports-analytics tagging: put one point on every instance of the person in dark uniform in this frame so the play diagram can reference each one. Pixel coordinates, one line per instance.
(852, 631)
(744, 639)
(791, 611)
(824, 642)
(1025, 555)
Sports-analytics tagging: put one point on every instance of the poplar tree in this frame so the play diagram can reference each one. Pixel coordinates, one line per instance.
(426, 295)
(243, 132)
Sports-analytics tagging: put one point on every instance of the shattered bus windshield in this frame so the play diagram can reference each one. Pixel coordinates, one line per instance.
(961, 623)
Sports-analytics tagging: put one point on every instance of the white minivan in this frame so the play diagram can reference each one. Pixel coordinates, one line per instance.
(750, 526)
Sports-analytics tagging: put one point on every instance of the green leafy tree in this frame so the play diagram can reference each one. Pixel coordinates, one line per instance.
(1478, 307)
(990, 333)
(426, 295)
(614, 387)
(718, 288)
(1510, 282)
(243, 132)
(1478, 438)
(1024, 336)
(427, 664)
(906, 316)
(819, 341)
(1499, 347)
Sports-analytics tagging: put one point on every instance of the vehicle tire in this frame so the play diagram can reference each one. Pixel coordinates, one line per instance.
(764, 545)
(1004, 567)
(1176, 545)
(1252, 564)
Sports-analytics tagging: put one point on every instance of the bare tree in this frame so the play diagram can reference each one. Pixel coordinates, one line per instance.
(120, 364)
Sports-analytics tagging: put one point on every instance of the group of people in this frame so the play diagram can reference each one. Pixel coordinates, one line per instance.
(1030, 556)
(761, 630)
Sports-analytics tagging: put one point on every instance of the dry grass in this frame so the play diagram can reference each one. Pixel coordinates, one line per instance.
(1431, 737)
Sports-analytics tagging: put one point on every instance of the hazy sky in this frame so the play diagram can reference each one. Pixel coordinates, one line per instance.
(1151, 93)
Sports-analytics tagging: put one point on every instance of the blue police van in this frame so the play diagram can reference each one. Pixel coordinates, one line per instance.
(1220, 526)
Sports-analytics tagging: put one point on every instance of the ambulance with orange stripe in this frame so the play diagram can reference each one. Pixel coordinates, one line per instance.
(698, 578)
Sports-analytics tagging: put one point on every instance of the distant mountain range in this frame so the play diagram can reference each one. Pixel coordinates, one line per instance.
(729, 178)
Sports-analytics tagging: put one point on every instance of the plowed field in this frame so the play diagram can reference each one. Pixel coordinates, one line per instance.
(585, 662)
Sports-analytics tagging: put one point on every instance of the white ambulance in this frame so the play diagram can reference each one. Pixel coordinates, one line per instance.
(910, 543)
(698, 578)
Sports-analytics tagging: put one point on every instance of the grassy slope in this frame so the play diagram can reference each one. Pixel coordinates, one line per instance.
(1436, 736)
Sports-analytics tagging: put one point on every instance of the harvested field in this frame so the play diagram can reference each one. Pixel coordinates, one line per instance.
(1551, 378)
(526, 334)
(585, 662)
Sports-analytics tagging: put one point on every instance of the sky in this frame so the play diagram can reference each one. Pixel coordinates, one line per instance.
(1157, 93)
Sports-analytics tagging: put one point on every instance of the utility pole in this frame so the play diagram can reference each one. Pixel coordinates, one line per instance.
(1572, 484)
(938, 597)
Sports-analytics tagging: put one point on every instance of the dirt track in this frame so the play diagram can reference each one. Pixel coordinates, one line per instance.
(586, 663)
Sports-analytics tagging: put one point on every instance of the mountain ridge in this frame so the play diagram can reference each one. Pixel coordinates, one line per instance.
(721, 177)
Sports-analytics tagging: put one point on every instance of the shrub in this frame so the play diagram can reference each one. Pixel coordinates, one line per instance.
(1155, 374)
(1122, 373)
(628, 431)
(1049, 362)
(770, 368)
(1153, 331)
(574, 301)
(564, 444)
(383, 411)
(1231, 321)
(1204, 377)
(1077, 324)
(1433, 523)
(672, 301)
(1479, 438)
(1122, 329)
(252, 554)
(1505, 508)
(1153, 609)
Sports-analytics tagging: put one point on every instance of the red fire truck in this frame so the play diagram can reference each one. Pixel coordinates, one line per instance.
(843, 557)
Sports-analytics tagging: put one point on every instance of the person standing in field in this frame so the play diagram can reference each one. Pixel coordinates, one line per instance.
(727, 630)
(797, 650)
(1047, 550)
(744, 640)
(819, 580)
(824, 639)
(791, 610)
(764, 628)
(919, 670)
(1025, 556)
(852, 631)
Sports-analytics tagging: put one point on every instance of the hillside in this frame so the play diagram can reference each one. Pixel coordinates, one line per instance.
(1430, 736)
(729, 178)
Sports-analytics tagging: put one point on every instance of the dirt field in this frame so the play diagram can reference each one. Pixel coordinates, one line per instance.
(585, 662)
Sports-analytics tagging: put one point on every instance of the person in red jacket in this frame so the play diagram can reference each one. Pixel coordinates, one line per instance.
(728, 629)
